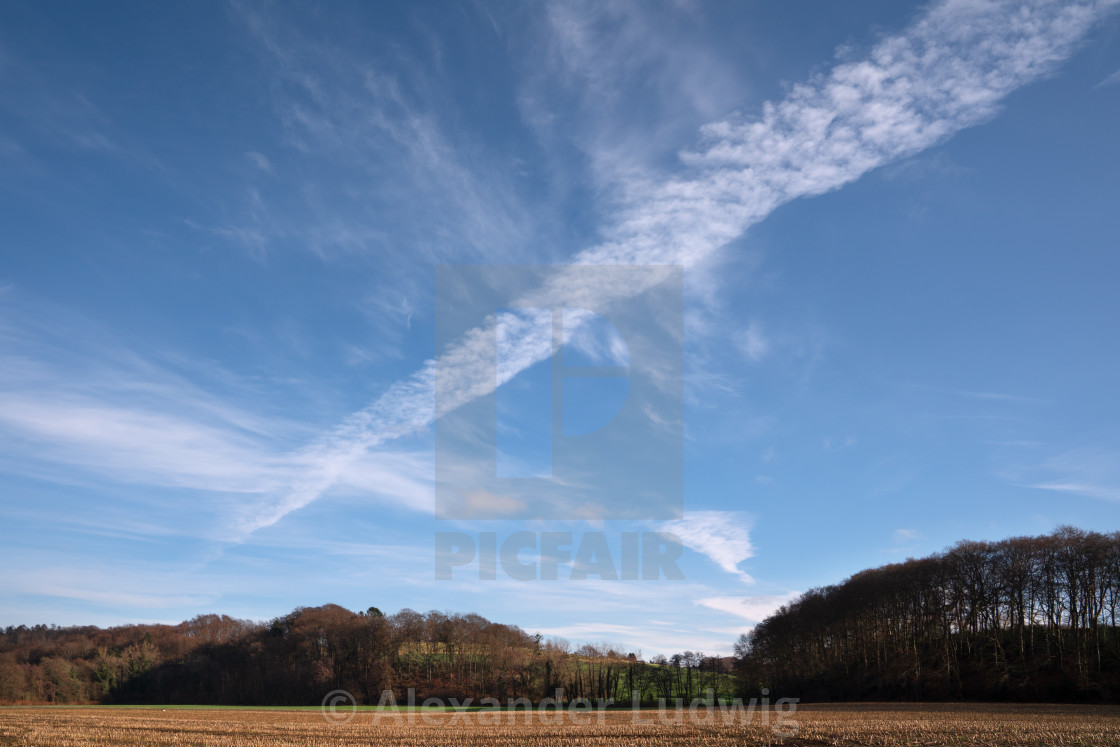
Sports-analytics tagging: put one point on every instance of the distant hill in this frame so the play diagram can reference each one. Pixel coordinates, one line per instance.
(298, 658)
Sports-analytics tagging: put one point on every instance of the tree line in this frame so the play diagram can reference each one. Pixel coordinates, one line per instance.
(297, 658)
(1028, 618)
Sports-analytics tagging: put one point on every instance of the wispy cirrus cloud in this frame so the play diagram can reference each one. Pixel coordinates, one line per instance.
(76, 402)
(1090, 472)
(753, 341)
(904, 540)
(445, 192)
(1110, 80)
(721, 536)
(754, 609)
(591, 54)
(948, 71)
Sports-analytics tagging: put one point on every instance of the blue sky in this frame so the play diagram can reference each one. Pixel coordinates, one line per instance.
(222, 222)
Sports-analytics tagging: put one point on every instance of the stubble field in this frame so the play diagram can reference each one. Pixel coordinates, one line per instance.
(815, 725)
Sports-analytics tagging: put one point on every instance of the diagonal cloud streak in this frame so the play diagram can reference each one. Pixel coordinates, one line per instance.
(947, 71)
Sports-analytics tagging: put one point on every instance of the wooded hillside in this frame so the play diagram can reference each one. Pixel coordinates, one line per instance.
(1029, 618)
(297, 658)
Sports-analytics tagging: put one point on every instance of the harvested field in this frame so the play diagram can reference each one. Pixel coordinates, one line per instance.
(816, 725)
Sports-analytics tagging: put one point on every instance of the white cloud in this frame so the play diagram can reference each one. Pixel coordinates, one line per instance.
(722, 536)
(146, 590)
(832, 443)
(260, 161)
(1110, 80)
(586, 64)
(392, 118)
(74, 397)
(905, 540)
(753, 342)
(906, 535)
(1105, 492)
(141, 446)
(754, 609)
(947, 71)
(1093, 472)
(595, 337)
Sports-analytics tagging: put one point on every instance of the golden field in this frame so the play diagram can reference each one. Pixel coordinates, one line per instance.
(866, 724)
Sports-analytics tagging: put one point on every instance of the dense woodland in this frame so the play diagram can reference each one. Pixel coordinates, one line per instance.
(298, 658)
(1029, 618)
